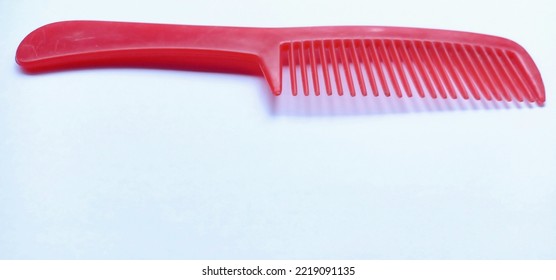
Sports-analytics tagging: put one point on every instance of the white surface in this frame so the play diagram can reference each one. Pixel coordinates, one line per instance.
(142, 163)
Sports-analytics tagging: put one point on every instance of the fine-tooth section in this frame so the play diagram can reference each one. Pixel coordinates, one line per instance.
(478, 62)
(507, 82)
(430, 70)
(420, 65)
(407, 68)
(523, 73)
(522, 91)
(521, 88)
(495, 77)
(460, 68)
(471, 66)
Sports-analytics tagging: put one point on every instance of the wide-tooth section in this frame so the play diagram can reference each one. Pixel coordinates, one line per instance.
(357, 66)
(292, 65)
(333, 52)
(377, 66)
(324, 63)
(346, 65)
(367, 63)
(303, 69)
(407, 68)
(313, 64)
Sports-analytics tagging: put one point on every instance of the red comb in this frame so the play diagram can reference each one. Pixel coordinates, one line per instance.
(357, 59)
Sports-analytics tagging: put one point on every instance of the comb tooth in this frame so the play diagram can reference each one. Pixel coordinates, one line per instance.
(462, 70)
(411, 69)
(522, 88)
(335, 69)
(452, 71)
(291, 62)
(399, 67)
(303, 68)
(420, 64)
(378, 68)
(347, 70)
(444, 80)
(535, 96)
(367, 63)
(313, 62)
(477, 60)
(495, 75)
(431, 70)
(478, 79)
(357, 66)
(324, 63)
(506, 79)
(383, 52)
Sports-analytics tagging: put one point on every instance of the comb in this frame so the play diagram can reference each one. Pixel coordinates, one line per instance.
(342, 60)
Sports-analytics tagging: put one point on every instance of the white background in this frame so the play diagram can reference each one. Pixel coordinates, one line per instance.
(148, 164)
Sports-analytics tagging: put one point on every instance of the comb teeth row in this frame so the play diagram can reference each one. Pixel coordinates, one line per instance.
(407, 68)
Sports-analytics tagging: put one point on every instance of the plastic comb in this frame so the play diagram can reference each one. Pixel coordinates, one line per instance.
(365, 60)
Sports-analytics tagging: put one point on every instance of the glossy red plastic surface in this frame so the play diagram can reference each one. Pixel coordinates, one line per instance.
(381, 60)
